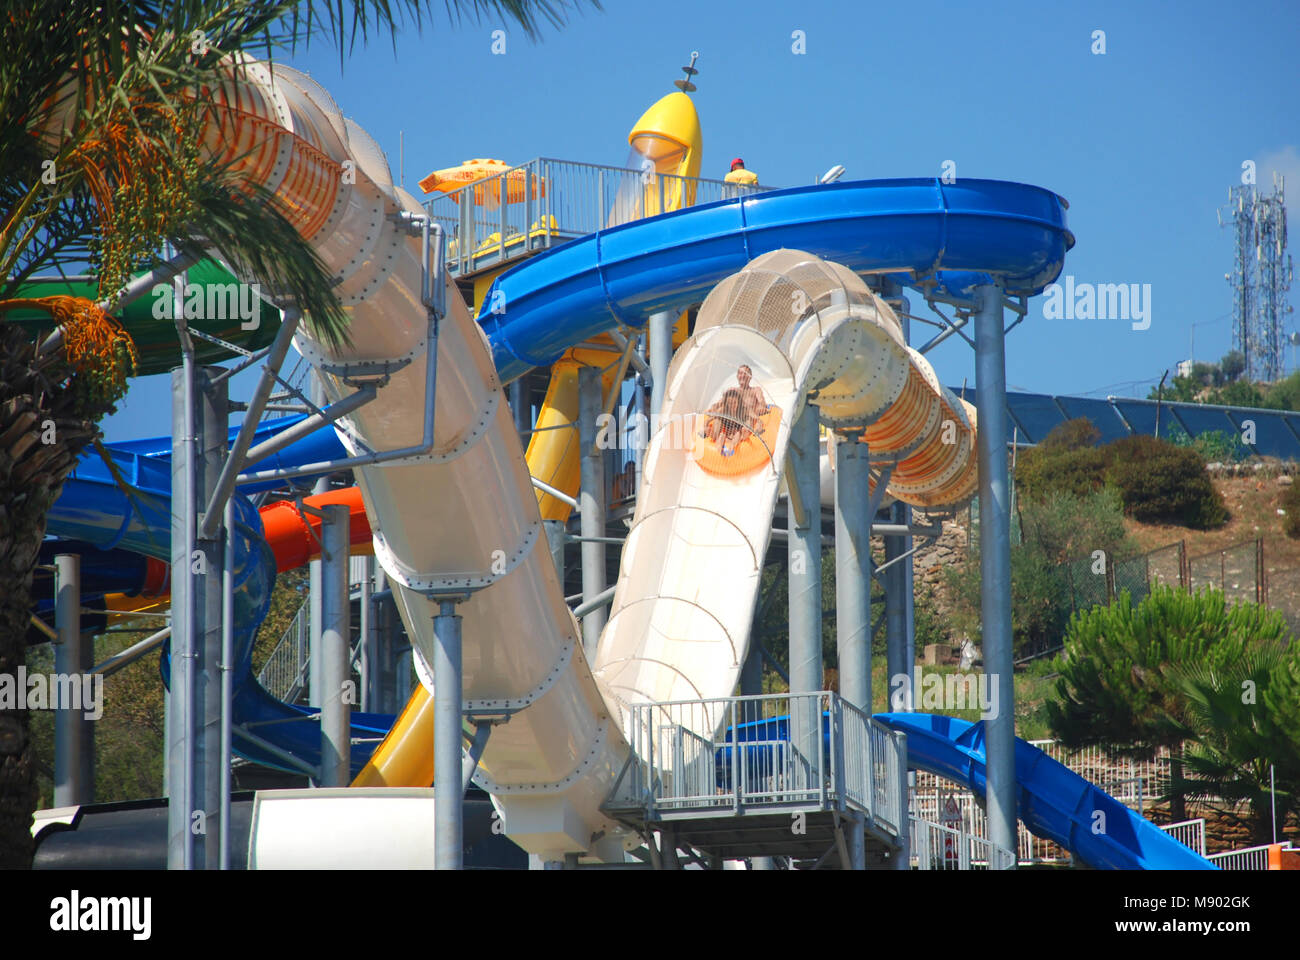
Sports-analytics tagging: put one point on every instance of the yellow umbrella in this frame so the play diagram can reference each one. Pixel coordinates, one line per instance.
(487, 174)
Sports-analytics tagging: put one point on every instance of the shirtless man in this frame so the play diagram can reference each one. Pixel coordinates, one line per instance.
(752, 403)
(739, 408)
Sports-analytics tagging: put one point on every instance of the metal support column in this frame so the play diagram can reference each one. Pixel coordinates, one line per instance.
(200, 413)
(335, 695)
(556, 538)
(381, 670)
(366, 634)
(853, 572)
(995, 564)
(227, 673)
(521, 409)
(805, 556)
(853, 594)
(592, 504)
(448, 797)
(74, 744)
(661, 354)
(640, 418)
(900, 646)
(898, 615)
(805, 568)
(315, 588)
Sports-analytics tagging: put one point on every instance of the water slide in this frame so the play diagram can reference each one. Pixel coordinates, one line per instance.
(104, 523)
(1052, 800)
(550, 765)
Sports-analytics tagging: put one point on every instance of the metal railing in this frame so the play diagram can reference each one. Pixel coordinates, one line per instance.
(1133, 782)
(721, 756)
(286, 670)
(1190, 833)
(936, 847)
(1249, 858)
(547, 201)
(284, 675)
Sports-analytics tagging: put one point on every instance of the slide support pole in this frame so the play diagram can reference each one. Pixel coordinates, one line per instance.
(661, 354)
(227, 670)
(336, 714)
(899, 588)
(995, 564)
(521, 410)
(200, 413)
(368, 660)
(448, 793)
(898, 610)
(592, 502)
(74, 743)
(315, 586)
(853, 596)
(805, 568)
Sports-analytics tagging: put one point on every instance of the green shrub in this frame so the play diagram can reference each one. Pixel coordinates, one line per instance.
(1068, 461)
(1065, 526)
(1116, 684)
(1158, 480)
(928, 626)
(1221, 445)
(1163, 483)
(1054, 530)
(1071, 435)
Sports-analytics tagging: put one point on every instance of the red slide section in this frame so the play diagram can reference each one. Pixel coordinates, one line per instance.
(294, 535)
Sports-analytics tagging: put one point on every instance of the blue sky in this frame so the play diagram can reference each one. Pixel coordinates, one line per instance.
(1143, 141)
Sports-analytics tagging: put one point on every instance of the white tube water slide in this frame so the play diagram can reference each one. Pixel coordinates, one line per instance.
(680, 622)
(463, 514)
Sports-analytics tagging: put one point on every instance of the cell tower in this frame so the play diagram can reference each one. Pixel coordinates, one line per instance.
(1261, 277)
(1274, 270)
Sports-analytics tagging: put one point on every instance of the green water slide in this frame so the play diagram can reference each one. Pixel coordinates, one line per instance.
(215, 301)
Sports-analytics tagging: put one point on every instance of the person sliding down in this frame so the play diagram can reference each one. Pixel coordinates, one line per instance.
(741, 408)
(724, 428)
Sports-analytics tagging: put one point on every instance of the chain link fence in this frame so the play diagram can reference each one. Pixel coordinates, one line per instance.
(1239, 571)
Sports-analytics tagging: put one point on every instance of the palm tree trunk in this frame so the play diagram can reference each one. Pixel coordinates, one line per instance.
(41, 435)
(1177, 799)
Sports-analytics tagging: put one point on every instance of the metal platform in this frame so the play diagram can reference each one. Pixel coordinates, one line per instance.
(787, 775)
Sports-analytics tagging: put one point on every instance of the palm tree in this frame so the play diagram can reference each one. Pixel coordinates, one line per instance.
(102, 109)
(1244, 723)
(1115, 685)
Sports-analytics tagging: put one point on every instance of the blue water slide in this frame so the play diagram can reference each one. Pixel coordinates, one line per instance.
(95, 510)
(314, 448)
(955, 235)
(1052, 800)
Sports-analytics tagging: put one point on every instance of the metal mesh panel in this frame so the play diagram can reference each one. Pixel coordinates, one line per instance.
(1131, 574)
(1167, 565)
(1087, 588)
(1234, 570)
(1284, 595)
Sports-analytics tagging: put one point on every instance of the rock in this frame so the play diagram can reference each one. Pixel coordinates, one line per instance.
(938, 653)
(1284, 480)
